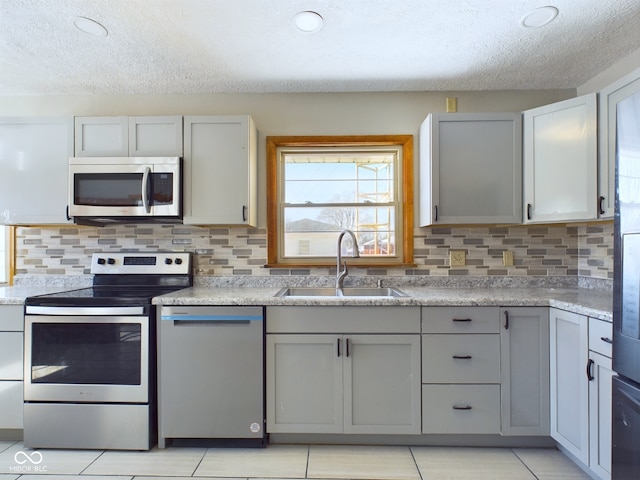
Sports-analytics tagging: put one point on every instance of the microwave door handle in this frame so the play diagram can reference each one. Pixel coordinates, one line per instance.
(145, 189)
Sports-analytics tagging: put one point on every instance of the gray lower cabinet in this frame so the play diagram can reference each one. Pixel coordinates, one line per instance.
(11, 367)
(485, 370)
(460, 370)
(569, 341)
(344, 381)
(524, 370)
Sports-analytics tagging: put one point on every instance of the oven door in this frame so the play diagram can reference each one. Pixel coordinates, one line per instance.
(125, 187)
(86, 358)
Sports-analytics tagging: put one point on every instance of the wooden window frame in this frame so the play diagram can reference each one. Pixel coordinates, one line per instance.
(406, 222)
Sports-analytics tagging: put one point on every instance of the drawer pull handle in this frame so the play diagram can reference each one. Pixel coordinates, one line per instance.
(462, 407)
(606, 339)
(460, 319)
(462, 357)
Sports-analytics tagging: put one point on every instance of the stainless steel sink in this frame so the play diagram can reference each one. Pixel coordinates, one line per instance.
(386, 292)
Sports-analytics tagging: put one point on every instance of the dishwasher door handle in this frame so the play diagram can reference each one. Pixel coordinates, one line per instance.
(212, 320)
(212, 323)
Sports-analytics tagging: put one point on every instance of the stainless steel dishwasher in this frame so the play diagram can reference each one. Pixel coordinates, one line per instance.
(211, 375)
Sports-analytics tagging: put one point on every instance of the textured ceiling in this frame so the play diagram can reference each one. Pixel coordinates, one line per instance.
(223, 46)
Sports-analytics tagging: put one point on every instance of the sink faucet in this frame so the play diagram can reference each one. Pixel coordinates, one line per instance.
(341, 274)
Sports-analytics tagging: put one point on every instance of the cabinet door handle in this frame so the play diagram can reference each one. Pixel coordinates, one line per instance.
(67, 213)
(460, 319)
(528, 211)
(461, 407)
(338, 346)
(506, 320)
(346, 343)
(606, 339)
(435, 219)
(600, 205)
(244, 213)
(462, 357)
(590, 376)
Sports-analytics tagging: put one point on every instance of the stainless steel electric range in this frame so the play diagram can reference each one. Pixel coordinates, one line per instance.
(90, 355)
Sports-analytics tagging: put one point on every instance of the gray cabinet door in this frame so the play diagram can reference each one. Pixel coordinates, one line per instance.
(220, 170)
(609, 98)
(382, 384)
(600, 415)
(34, 156)
(560, 161)
(569, 386)
(304, 383)
(155, 136)
(101, 136)
(524, 348)
(149, 136)
(471, 168)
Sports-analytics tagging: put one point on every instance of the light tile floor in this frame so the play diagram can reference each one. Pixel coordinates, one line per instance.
(289, 462)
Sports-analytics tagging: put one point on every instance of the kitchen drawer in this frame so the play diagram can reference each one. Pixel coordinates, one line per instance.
(11, 402)
(460, 320)
(461, 358)
(11, 356)
(463, 409)
(343, 319)
(11, 318)
(600, 336)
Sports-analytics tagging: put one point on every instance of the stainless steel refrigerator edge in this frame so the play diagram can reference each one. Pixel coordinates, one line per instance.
(626, 295)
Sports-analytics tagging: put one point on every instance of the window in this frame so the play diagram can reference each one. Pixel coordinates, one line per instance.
(319, 186)
(4, 254)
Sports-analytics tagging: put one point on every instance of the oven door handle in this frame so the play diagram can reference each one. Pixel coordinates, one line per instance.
(74, 311)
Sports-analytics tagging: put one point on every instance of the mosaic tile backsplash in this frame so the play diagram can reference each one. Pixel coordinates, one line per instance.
(577, 251)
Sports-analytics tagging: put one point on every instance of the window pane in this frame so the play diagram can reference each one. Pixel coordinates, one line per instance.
(336, 178)
(3, 254)
(313, 231)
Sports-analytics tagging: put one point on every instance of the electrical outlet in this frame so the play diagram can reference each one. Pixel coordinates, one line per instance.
(452, 104)
(457, 258)
(507, 258)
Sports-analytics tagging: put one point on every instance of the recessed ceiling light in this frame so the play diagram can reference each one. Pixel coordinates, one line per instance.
(89, 26)
(539, 17)
(308, 21)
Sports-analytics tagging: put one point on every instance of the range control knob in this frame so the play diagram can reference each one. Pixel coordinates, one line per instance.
(101, 261)
(178, 261)
(111, 261)
(168, 261)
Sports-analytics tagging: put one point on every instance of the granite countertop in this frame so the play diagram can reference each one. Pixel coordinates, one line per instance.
(594, 303)
(585, 301)
(16, 295)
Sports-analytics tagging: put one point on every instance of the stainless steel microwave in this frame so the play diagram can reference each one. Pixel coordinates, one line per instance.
(125, 189)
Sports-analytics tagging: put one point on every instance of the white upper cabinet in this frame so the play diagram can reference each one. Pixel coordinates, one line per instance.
(34, 153)
(471, 168)
(220, 170)
(609, 99)
(561, 161)
(154, 136)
